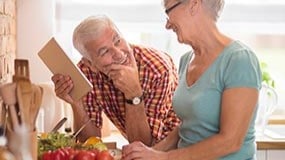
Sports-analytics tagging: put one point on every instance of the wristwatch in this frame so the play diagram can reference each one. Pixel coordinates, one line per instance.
(135, 100)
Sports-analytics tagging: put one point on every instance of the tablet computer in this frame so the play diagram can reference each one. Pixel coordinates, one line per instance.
(58, 62)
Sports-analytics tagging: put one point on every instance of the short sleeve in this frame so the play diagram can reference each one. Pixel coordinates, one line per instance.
(243, 70)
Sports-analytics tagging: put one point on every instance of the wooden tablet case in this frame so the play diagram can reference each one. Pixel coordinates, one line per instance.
(58, 62)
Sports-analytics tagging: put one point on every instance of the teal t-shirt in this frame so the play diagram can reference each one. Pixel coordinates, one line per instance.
(199, 105)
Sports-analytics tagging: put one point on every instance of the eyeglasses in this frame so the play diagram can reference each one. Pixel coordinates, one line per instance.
(172, 7)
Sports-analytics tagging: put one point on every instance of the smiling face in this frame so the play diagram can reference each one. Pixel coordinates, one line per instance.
(180, 20)
(107, 49)
(174, 21)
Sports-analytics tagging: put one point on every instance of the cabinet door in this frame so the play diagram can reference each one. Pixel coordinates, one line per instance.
(275, 154)
(261, 155)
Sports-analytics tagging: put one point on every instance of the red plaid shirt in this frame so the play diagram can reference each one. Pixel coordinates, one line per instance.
(158, 79)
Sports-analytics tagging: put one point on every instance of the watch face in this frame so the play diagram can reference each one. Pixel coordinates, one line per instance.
(136, 100)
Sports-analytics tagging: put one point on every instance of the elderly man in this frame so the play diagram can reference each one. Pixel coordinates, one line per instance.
(133, 85)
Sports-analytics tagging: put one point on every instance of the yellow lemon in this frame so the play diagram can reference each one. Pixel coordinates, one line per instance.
(92, 141)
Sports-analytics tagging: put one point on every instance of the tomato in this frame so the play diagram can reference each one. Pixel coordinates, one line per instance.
(71, 153)
(59, 154)
(65, 152)
(84, 155)
(95, 151)
(104, 155)
(47, 155)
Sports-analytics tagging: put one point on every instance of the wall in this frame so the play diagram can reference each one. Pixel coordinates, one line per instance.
(35, 25)
(7, 39)
(243, 20)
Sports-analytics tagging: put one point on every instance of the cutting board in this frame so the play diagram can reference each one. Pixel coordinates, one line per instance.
(58, 62)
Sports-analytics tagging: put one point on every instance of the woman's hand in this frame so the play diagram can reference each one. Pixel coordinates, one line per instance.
(137, 150)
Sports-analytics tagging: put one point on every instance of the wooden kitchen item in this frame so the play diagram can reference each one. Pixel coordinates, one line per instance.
(59, 63)
(22, 143)
(21, 134)
(37, 96)
(21, 68)
(24, 97)
(24, 89)
(2, 113)
(29, 96)
(8, 93)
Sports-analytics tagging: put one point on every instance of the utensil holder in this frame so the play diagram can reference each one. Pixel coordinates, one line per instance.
(23, 145)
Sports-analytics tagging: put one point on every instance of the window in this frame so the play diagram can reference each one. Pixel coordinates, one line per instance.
(259, 23)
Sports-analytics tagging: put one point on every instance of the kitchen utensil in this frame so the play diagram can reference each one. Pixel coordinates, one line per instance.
(24, 89)
(8, 93)
(59, 124)
(24, 93)
(37, 94)
(22, 139)
(21, 69)
(2, 111)
(74, 135)
(58, 62)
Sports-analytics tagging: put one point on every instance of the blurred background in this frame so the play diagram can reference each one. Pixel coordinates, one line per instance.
(258, 23)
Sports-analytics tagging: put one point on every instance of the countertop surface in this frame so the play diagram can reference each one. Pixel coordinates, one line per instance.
(273, 138)
(269, 144)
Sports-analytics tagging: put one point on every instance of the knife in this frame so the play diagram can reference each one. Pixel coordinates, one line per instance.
(74, 135)
(59, 124)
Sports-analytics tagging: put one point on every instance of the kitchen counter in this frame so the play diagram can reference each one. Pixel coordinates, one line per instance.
(266, 142)
(116, 137)
(263, 143)
(273, 138)
(277, 119)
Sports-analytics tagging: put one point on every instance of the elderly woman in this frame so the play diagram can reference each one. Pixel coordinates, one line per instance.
(217, 95)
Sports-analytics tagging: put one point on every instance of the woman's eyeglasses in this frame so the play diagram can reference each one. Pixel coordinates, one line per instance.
(172, 7)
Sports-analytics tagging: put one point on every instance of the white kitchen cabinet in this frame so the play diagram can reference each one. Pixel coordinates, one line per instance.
(275, 154)
(270, 155)
(261, 155)
(271, 145)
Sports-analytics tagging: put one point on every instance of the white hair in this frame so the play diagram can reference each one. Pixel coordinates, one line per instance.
(213, 7)
(89, 29)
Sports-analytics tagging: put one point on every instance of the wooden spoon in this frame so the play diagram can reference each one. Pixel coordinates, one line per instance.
(8, 93)
(36, 104)
(24, 89)
(24, 96)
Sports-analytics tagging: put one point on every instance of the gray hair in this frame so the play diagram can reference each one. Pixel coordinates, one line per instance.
(89, 29)
(165, 2)
(213, 7)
